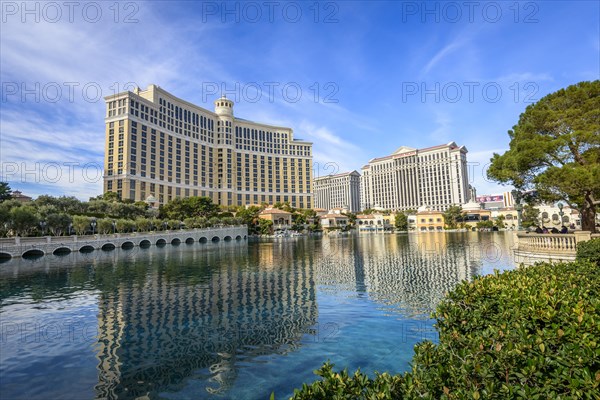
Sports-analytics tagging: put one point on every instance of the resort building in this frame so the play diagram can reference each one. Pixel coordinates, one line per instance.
(429, 219)
(340, 190)
(161, 146)
(549, 216)
(409, 178)
(376, 222)
(334, 221)
(473, 213)
(509, 216)
(281, 219)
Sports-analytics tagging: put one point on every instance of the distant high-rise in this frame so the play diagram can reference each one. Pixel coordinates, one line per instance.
(339, 190)
(409, 178)
(159, 146)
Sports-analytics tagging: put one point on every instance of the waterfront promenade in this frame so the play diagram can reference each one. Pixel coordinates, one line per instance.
(46, 245)
(532, 247)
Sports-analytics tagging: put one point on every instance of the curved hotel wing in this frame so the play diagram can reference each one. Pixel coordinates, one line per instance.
(160, 146)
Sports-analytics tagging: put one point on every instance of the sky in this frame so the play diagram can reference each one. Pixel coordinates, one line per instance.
(358, 79)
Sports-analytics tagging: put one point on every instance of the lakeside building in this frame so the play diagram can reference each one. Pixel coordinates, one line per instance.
(376, 222)
(161, 146)
(429, 219)
(549, 216)
(473, 212)
(339, 190)
(281, 219)
(334, 221)
(509, 215)
(409, 178)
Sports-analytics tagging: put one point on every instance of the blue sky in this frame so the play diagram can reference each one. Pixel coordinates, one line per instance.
(359, 79)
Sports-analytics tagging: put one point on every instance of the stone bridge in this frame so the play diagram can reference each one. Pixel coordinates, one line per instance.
(39, 246)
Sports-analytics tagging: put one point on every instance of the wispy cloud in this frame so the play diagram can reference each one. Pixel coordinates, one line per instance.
(331, 153)
(443, 53)
(367, 54)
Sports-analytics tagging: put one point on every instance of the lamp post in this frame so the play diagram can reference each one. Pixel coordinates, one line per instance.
(518, 206)
(93, 223)
(43, 226)
(165, 225)
(70, 227)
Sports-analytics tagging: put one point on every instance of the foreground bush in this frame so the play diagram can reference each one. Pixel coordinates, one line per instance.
(337, 386)
(589, 251)
(532, 333)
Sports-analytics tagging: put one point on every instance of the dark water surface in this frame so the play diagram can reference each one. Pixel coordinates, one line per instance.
(234, 320)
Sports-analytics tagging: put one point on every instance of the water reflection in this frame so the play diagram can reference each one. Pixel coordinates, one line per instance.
(169, 318)
(411, 272)
(196, 311)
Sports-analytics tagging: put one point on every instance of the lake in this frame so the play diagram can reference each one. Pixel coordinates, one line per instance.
(232, 320)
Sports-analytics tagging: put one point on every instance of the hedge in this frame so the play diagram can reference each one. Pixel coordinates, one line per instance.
(589, 250)
(531, 333)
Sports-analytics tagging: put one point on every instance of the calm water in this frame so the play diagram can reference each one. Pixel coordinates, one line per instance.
(226, 321)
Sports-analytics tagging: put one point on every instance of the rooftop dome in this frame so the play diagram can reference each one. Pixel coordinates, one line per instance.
(471, 206)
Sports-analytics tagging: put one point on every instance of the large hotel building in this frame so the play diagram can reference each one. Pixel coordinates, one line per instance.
(410, 178)
(161, 147)
(339, 190)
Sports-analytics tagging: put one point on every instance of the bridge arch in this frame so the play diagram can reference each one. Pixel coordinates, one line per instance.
(61, 250)
(216, 239)
(128, 245)
(238, 237)
(108, 246)
(145, 243)
(33, 253)
(5, 257)
(161, 242)
(227, 238)
(87, 248)
(189, 240)
(176, 241)
(203, 240)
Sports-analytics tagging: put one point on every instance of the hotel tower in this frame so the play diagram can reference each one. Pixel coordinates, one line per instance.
(410, 178)
(160, 147)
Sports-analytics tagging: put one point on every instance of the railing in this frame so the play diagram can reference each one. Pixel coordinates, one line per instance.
(547, 243)
(43, 240)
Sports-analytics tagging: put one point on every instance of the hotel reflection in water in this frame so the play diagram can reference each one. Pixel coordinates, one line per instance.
(166, 324)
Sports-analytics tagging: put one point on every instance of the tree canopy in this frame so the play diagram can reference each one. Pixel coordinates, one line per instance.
(555, 149)
(181, 208)
(452, 216)
(5, 191)
(401, 222)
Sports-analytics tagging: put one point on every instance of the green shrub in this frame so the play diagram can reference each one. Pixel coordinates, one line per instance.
(589, 250)
(531, 333)
(338, 386)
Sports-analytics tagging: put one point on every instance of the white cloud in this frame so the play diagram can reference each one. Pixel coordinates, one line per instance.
(52, 140)
(331, 153)
(443, 53)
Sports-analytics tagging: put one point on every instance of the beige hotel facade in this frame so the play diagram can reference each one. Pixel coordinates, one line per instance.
(410, 178)
(338, 190)
(161, 147)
